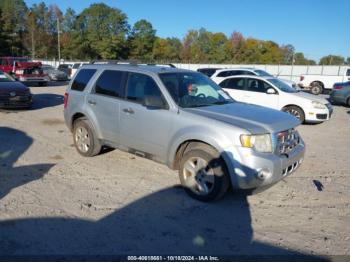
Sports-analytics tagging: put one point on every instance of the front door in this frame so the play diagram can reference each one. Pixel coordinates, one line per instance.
(256, 93)
(145, 130)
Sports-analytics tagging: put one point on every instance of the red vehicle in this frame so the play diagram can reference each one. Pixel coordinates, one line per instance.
(24, 70)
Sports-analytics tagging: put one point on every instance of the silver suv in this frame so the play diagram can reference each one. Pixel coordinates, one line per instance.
(184, 120)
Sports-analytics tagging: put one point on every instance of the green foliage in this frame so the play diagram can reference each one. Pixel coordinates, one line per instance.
(103, 32)
(13, 14)
(141, 39)
(332, 60)
(168, 50)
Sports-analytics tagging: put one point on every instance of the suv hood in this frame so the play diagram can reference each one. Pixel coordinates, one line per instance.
(255, 119)
(310, 97)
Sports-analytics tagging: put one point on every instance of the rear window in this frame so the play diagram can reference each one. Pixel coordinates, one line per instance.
(110, 83)
(82, 79)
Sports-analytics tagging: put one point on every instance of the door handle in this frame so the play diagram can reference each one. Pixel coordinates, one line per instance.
(128, 110)
(91, 102)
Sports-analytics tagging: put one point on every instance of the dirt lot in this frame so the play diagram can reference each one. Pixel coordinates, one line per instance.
(53, 201)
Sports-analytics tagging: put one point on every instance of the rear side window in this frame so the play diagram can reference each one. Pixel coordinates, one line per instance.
(75, 66)
(110, 83)
(229, 73)
(348, 72)
(233, 83)
(82, 79)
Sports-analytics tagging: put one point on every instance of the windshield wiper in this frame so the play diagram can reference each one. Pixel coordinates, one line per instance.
(223, 102)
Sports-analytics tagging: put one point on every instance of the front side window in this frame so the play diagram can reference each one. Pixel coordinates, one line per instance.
(110, 83)
(139, 86)
(348, 72)
(194, 90)
(82, 79)
(255, 85)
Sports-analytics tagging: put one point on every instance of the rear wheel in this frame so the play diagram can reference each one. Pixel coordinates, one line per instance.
(348, 102)
(85, 140)
(295, 111)
(316, 88)
(203, 174)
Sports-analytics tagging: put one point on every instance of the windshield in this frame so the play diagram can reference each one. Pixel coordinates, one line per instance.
(194, 90)
(262, 73)
(282, 85)
(5, 77)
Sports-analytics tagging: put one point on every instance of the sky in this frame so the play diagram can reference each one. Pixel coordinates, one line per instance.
(314, 27)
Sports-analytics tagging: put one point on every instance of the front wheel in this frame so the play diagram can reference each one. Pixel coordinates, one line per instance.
(295, 111)
(203, 174)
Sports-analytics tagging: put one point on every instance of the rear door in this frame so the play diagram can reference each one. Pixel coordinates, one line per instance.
(104, 102)
(143, 129)
(235, 88)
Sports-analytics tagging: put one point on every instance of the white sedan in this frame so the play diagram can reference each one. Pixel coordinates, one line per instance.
(274, 93)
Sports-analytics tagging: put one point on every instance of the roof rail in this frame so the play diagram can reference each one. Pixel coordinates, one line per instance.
(114, 62)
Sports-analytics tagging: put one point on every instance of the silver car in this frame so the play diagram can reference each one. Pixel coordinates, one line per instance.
(54, 74)
(184, 120)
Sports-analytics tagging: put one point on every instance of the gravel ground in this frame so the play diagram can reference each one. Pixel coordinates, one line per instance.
(53, 201)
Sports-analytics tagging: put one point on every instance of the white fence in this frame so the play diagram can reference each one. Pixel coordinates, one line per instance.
(282, 71)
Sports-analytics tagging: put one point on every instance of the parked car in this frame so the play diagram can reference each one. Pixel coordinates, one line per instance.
(273, 93)
(317, 84)
(75, 67)
(184, 120)
(13, 94)
(340, 93)
(208, 71)
(67, 68)
(219, 75)
(24, 70)
(54, 74)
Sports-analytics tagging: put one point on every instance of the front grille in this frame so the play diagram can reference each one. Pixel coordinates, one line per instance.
(287, 141)
(321, 116)
(19, 100)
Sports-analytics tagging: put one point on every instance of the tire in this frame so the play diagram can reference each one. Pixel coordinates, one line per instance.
(295, 111)
(316, 88)
(203, 174)
(85, 140)
(348, 102)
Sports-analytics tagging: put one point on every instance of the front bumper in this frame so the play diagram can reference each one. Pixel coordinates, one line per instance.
(318, 115)
(20, 101)
(250, 169)
(34, 79)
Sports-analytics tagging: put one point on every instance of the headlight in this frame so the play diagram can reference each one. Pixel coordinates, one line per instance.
(318, 105)
(261, 143)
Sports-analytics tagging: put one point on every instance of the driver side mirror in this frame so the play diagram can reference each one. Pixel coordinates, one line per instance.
(154, 102)
(271, 91)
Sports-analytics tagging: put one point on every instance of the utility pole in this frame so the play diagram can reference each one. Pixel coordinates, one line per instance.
(58, 41)
(291, 74)
(33, 41)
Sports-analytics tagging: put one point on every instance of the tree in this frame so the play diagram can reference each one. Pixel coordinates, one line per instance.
(101, 32)
(299, 59)
(288, 53)
(141, 39)
(13, 15)
(168, 50)
(348, 60)
(332, 60)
